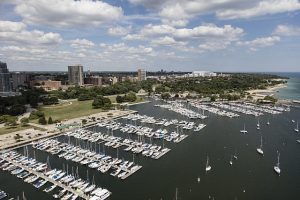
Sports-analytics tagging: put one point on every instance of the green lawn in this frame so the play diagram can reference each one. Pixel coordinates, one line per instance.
(69, 111)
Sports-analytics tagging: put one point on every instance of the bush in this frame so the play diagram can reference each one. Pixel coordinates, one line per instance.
(50, 100)
(42, 120)
(165, 95)
(84, 97)
(36, 115)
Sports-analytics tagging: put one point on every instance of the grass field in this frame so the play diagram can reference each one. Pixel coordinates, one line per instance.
(75, 109)
(68, 111)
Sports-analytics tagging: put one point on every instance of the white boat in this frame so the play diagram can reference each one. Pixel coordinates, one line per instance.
(260, 150)
(230, 162)
(244, 130)
(297, 128)
(298, 141)
(258, 125)
(268, 122)
(207, 167)
(277, 166)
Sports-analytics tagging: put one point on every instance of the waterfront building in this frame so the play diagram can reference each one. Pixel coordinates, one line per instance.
(75, 75)
(5, 84)
(142, 75)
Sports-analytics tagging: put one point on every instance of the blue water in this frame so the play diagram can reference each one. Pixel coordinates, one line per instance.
(292, 91)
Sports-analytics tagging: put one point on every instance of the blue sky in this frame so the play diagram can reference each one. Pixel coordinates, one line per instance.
(179, 35)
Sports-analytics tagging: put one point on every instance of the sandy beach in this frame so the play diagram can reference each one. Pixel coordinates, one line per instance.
(261, 93)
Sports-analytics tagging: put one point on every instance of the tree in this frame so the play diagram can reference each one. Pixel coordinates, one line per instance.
(50, 121)
(36, 115)
(42, 120)
(119, 99)
(17, 109)
(102, 102)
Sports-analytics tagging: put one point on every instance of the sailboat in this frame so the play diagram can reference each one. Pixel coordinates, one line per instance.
(297, 128)
(260, 150)
(230, 162)
(276, 167)
(268, 122)
(235, 155)
(244, 130)
(207, 167)
(198, 179)
(258, 125)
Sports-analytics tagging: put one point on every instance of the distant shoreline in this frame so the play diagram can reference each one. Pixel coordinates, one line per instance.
(271, 90)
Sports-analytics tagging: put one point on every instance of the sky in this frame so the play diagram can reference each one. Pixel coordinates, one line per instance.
(124, 35)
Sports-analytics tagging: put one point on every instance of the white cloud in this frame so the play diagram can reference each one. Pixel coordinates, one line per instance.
(167, 41)
(287, 30)
(118, 31)
(9, 26)
(259, 42)
(81, 43)
(66, 13)
(177, 10)
(262, 8)
(15, 32)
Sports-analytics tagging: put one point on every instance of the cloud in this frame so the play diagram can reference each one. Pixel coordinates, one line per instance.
(81, 43)
(67, 13)
(259, 42)
(118, 31)
(183, 10)
(167, 41)
(262, 8)
(9, 26)
(16, 32)
(287, 30)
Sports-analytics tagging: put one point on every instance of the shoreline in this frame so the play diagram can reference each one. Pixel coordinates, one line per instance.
(271, 90)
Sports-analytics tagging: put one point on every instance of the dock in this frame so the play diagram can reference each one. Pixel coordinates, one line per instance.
(41, 175)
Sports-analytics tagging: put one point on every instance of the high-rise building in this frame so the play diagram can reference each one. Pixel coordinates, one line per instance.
(5, 85)
(20, 79)
(142, 75)
(75, 75)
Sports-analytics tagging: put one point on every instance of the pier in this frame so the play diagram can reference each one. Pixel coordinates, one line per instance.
(41, 175)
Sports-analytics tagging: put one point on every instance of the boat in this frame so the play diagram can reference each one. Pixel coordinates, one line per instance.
(258, 125)
(2, 194)
(268, 122)
(60, 194)
(198, 179)
(297, 128)
(244, 130)
(230, 162)
(207, 167)
(298, 141)
(277, 166)
(260, 150)
(50, 188)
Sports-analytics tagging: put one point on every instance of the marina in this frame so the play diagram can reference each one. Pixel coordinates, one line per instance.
(119, 153)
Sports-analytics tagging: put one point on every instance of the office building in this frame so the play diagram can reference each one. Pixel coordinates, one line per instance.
(20, 80)
(5, 85)
(141, 75)
(93, 80)
(75, 75)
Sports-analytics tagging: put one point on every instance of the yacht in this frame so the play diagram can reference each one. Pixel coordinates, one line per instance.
(244, 130)
(207, 167)
(276, 167)
(260, 150)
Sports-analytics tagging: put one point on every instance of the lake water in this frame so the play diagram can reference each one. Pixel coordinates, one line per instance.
(292, 91)
(250, 177)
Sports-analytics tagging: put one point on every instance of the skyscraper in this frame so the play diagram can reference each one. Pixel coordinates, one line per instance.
(4, 78)
(142, 75)
(75, 75)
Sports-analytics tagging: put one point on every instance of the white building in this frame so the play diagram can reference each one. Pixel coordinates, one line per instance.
(202, 74)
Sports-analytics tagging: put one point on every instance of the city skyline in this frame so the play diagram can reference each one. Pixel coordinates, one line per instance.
(111, 35)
